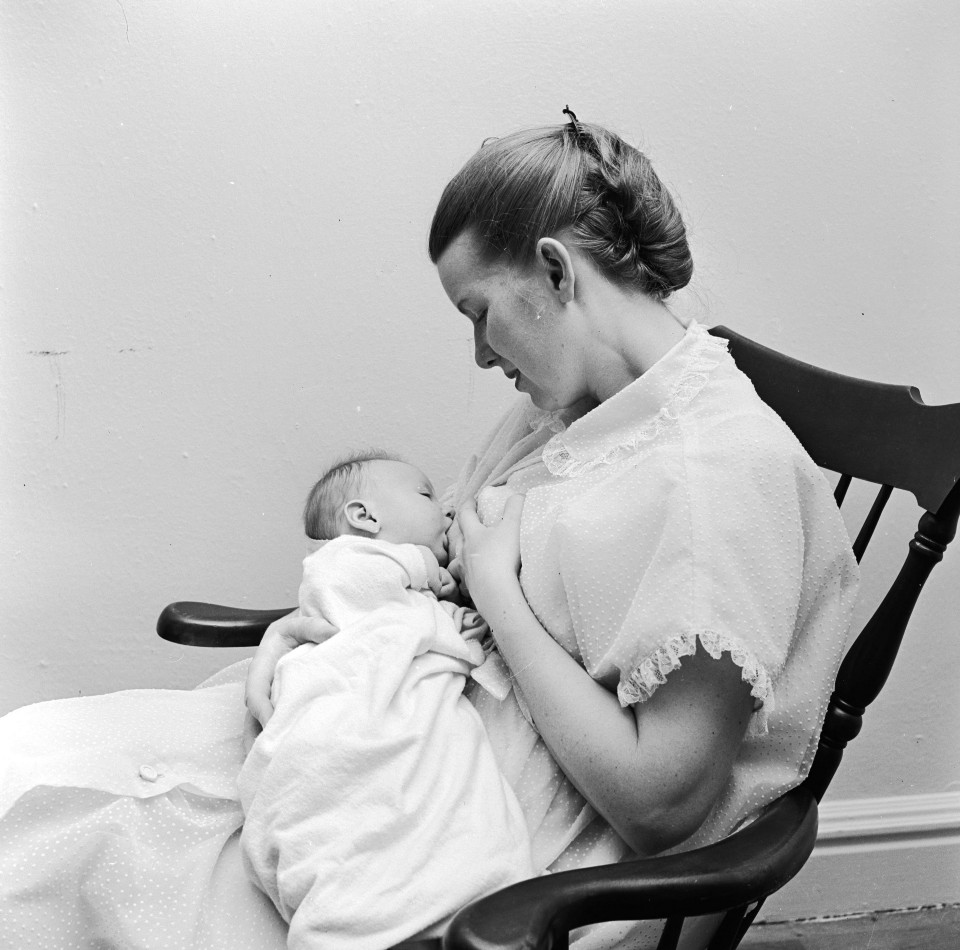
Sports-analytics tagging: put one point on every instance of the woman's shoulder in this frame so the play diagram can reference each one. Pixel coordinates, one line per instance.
(728, 417)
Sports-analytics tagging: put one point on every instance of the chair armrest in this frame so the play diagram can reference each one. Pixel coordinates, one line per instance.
(210, 625)
(743, 868)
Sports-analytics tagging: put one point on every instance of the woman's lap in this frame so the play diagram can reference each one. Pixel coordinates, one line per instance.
(119, 822)
(85, 868)
(138, 864)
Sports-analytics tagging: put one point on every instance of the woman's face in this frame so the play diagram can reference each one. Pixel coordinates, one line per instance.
(518, 325)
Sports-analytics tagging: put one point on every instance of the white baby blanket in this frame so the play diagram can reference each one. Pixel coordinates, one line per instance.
(374, 806)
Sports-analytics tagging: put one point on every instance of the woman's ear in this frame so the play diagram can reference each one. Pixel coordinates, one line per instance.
(557, 265)
(360, 518)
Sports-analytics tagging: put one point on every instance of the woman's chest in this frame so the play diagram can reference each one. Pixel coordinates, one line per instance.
(562, 524)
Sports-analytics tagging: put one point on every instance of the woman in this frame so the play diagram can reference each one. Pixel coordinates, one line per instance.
(686, 580)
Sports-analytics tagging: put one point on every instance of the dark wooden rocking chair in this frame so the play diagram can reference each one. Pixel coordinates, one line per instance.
(869, 431)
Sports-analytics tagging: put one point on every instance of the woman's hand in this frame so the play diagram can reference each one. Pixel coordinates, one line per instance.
(454, 534)
(490, 557)
(454, 551)
(281, 637)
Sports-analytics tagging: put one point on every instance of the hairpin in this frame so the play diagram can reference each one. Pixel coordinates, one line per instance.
(581, 136)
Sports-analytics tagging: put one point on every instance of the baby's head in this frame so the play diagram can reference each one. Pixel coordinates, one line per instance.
(376, 495)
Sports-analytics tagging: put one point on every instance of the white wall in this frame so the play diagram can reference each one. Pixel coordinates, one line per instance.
(214, 276)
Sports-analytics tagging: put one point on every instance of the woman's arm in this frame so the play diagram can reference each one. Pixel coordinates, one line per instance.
(653, 770)
(281, 637)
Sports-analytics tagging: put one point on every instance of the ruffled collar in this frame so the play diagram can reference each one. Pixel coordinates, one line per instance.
(640, 411)
(556, 420)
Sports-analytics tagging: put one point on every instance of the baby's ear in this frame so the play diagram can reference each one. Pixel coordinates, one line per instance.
(360, 517)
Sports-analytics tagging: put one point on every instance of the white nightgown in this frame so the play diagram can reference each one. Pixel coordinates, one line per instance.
(680, 510)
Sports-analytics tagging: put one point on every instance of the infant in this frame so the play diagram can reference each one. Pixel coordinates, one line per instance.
(374, 806)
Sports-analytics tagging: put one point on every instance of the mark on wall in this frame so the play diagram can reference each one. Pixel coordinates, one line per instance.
(126, 22)
(53, 358)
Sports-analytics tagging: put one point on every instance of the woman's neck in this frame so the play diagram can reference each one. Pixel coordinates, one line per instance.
(630, 332)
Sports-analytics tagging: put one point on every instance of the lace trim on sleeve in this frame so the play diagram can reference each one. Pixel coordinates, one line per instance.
(652, 672)
(563, 464)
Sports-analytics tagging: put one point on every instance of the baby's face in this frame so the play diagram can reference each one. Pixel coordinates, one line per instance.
(405, 506)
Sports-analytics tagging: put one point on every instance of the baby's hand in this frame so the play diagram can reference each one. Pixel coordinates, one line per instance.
(439, 579)
(473, 626)
(448, 586)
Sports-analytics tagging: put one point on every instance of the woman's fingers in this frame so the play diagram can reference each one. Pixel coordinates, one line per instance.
(260, 672)
(468, 520)
(251, 729)
(281, 637)
(513, 509)
(490, 547)
(454, 540)
(467, 517)
(257, 690)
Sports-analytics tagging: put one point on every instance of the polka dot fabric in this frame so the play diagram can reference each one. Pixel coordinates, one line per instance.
(119, 822)
(681, 512)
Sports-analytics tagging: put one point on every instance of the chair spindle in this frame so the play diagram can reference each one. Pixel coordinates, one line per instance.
(728, 934)
(748, 919)
(868, 662)
(671, 933)
(870, 522)
(840, 492)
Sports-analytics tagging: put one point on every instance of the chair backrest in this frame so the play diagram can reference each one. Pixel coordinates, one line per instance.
(881, 434)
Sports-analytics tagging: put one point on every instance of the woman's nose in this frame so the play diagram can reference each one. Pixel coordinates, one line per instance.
(482, 354)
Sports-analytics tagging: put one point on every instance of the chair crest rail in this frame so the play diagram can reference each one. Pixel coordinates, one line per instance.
(874, 431)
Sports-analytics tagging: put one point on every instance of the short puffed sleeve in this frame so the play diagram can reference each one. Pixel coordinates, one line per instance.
(729, 541)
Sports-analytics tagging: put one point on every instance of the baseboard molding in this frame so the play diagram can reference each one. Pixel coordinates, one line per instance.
(877, 854)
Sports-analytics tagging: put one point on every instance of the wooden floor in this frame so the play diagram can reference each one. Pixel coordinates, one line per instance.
(932, 928)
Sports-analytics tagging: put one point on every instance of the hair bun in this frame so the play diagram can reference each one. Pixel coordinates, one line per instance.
(635, 230)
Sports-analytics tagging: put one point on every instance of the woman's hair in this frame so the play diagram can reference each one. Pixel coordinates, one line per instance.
(322, 514)
(577, 176)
